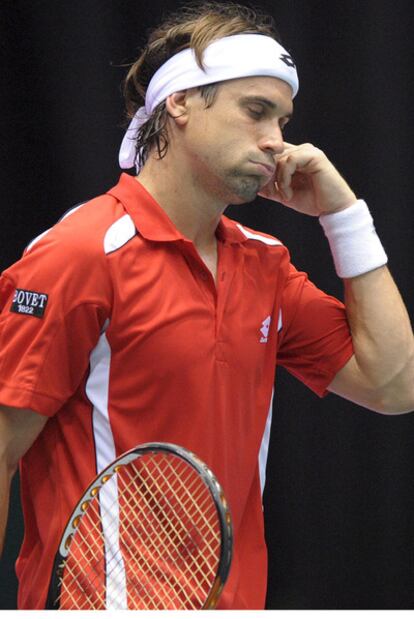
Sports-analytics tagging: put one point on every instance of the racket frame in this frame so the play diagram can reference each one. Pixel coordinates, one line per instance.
(208, 478)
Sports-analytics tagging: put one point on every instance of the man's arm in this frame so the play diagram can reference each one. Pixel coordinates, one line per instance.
(18, 430)
(380, 375)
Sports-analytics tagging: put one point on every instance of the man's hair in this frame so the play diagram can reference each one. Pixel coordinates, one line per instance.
(194, 25)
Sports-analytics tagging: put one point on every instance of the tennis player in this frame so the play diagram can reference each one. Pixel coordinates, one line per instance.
(147, 315)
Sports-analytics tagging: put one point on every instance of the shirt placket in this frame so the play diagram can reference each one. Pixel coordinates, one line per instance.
(215, 293)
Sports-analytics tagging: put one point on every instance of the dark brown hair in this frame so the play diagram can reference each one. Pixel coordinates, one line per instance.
(195, 25)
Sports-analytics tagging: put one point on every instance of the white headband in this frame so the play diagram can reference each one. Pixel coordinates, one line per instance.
(236, 56)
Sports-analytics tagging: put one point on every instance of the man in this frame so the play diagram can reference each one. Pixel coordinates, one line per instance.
(145, 314)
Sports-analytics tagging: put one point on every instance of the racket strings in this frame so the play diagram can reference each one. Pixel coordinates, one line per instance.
(186, 490)
(155, 548)
(160, 577)
(75, 584)
(147, 564)
(162, 508)
(87, 602)
(200, 507)
(168, 513)
(204, 576)
(157, 573)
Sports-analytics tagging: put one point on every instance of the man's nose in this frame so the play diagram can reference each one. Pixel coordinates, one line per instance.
(272, 142)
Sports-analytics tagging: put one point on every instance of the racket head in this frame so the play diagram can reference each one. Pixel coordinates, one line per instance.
(152, 531)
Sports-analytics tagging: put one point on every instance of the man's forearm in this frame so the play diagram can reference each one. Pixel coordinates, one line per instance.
(18, 429)
(382, 337)
(5, 480)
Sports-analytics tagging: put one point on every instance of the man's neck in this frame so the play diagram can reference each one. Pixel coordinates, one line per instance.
(193, 211)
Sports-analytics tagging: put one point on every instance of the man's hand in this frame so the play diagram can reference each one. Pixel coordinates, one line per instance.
(306, 181)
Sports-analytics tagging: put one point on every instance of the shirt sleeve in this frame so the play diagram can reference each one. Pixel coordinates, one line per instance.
(53, 305)
(314, 340)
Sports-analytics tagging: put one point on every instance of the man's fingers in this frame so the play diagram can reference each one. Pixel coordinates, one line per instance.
(272, 193)
(304, 158)
(284, 172)
(288, 148)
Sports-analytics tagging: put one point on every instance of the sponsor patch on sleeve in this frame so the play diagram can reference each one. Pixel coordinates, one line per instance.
(29, 302)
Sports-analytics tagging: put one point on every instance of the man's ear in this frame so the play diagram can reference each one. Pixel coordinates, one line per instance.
(177, 106)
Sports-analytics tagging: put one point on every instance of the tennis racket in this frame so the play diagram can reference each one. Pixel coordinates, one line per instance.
(152, 531)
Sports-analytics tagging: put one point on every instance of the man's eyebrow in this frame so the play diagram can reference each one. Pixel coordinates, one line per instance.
(267, 102)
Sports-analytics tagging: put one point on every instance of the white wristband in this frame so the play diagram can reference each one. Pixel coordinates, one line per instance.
(354, 243)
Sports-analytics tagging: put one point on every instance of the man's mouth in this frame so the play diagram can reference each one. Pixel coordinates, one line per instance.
(264, 168)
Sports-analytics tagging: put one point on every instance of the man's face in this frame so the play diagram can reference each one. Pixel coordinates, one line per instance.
(231, 147)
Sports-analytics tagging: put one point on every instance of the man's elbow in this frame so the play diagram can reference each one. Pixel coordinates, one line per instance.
(393, 394)
(392, 402)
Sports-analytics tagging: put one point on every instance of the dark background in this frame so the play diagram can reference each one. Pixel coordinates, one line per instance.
(339, 499)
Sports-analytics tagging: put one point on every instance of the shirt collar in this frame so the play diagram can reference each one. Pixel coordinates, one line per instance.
(152, 221)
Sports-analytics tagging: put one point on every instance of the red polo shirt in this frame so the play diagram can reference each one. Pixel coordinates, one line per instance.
(114, 328)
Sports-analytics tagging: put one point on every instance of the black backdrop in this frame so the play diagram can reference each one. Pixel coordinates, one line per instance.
(339, 500)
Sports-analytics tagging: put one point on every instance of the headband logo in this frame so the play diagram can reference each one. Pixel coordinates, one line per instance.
(288, 60)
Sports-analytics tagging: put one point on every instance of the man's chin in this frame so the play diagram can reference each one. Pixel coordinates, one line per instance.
(246, 190)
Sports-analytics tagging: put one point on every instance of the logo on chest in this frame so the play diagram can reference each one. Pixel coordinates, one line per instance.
(29, 303)
(264, 330)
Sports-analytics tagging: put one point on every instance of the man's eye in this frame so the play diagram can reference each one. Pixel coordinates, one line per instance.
(256, 112)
